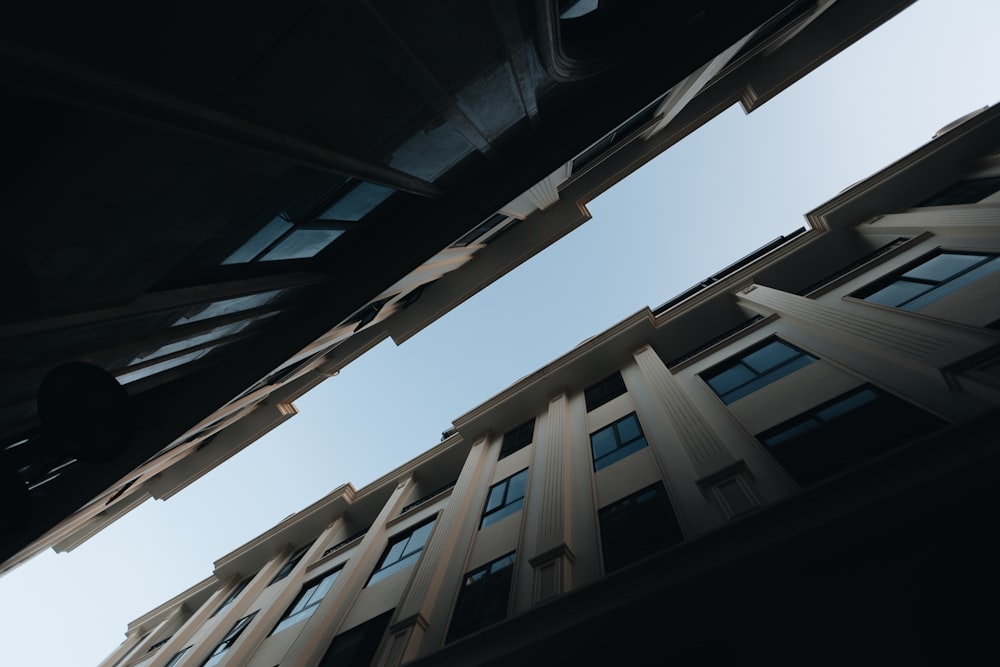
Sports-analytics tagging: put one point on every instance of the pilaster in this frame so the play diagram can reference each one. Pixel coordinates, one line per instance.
(700, 442)
(438, 574)
(326, 621)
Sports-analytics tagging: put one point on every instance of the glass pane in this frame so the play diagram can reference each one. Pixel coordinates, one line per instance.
(603, 442)
(620, 453)
(791, 433)
(302, 243)
(516, 486)
(770, 378)
(507, 510)
(357, 203)
(228, 306)
(954, 285)
(847, 404)
(898, 293)
(769, 356)
(394, 553)
(496, 497)
(501, 563)
(943, 267)
(163, 366)
(729, 379)
(198, 339)
(259, 241)
(628, 429)
(419, 537)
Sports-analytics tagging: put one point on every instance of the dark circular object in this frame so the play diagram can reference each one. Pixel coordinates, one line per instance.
(85, 413)
(15, 503)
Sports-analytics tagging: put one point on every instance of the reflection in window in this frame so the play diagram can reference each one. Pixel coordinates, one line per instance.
(228, 306)
(935, 278)
(756, 368)
(840, 434)
(637, 526)
(402, 552)
(484, 597)
(357, 203)
(260, 241)
(307, 601)
(153, 369)
(615, 442)
(505, 498)
(302, 243)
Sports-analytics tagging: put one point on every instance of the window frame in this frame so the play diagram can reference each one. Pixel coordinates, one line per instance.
(233, 594)
(759, 379)
(507, 505)
(290, 564)
(604, 391)
(669, 534)
(229, 639)
(940, 286)
(472, 606)
(176, 657)
(308, 589)
(623, 449)
(517, 438)
(384, 569)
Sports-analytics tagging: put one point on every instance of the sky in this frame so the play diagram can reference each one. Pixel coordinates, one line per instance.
(737, 183)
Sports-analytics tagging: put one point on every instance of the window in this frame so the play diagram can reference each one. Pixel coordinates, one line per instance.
(307, 601)
(505, 498)
(751, 370)
(615, 442)
(934, 278)
(842, 433)
(598, 394)
(178, 656)
(232, 596)
(287, 568)
(402, 552)
(964, 192)
(637, 526)
(157, 645)
(357, 646)
(483, 598)
(227, 642)
(517, 438)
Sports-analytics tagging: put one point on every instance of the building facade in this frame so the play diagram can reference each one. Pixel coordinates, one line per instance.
(796, 459)
(244, 310)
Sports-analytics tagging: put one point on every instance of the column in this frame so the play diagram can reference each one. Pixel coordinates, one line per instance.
(267, 618)
(703, 446)
(227, 617)
(553, 556)
(419, 625)
(981, 221)
(922, 343)
(326, 621)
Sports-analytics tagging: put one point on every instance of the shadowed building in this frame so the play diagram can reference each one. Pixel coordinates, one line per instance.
(213, 208)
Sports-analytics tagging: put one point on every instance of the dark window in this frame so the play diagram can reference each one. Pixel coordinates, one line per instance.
(598, 394)
(357, 646)
(616, 441)
(505, 498)
(227, 642)
(232, 595)
(308, 599)
(287, 568)
(487, 225)
(755, 368)
(623, 131)
(933, 278)
(403, 551)
(157, 645)
(964, 192)
(483, 598)
(842, 433)
(177, 656)
(517, 438)
(637, 526)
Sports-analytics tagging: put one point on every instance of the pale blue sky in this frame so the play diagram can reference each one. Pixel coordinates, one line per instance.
(734, 185)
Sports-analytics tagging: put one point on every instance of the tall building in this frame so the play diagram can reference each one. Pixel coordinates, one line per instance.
(220, 212)
(794, 459)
